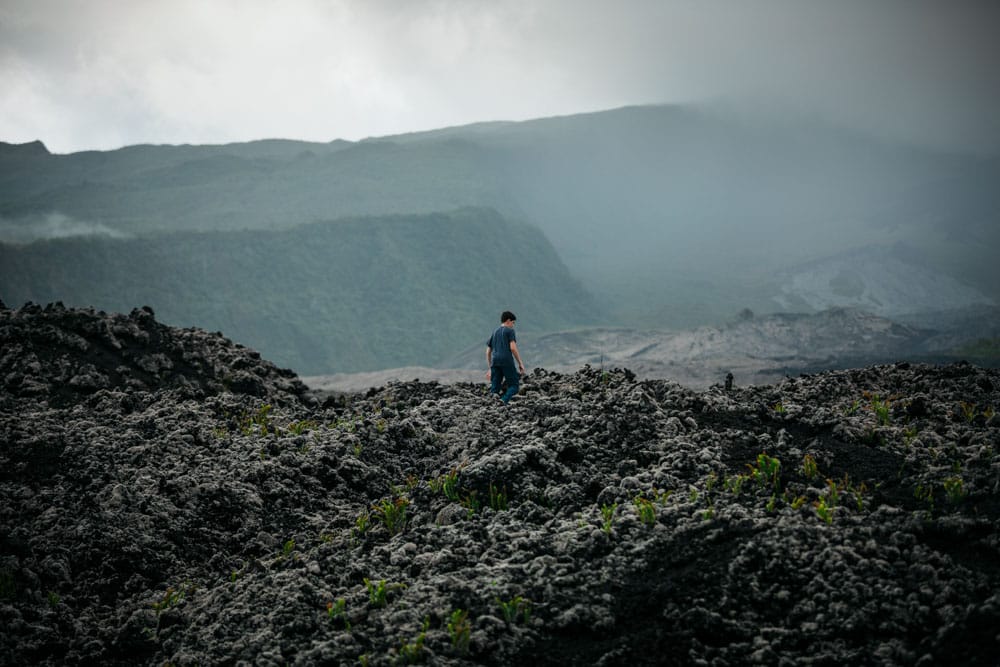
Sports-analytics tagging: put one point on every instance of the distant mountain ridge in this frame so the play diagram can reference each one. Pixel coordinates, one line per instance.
(670, 217)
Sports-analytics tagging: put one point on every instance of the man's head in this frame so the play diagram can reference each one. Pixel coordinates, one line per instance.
(506, 316)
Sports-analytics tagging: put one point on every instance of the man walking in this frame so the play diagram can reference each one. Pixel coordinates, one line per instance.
(501, 353)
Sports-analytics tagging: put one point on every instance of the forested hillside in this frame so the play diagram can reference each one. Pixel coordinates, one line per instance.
(340, 296)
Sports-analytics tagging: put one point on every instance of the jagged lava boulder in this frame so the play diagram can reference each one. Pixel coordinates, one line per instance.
(178, 511)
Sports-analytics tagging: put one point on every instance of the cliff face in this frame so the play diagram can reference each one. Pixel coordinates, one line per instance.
(153, 510)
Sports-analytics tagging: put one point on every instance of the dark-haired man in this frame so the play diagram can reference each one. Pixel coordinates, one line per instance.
(501, 353)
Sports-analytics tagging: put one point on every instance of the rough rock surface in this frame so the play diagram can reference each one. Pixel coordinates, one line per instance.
(173, 498)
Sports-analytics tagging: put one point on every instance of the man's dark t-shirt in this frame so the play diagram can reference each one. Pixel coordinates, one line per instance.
(500, 344)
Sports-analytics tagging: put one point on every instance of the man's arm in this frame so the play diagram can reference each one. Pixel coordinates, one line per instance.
(517, 355)
(489, 360)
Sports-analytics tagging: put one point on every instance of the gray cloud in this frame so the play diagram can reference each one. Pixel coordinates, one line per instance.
(101, 74)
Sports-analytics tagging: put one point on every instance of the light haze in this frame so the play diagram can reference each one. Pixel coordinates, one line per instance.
(102, 74)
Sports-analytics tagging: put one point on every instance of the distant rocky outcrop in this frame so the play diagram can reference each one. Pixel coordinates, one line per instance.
(60, 356)
(26, 150)
(154, 513)
(889, 282)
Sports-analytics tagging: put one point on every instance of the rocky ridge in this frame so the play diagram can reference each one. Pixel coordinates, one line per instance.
(200, 507)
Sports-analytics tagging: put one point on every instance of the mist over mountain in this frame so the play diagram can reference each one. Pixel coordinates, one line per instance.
(669, 217)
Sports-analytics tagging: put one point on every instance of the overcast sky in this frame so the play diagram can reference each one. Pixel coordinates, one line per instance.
(84, 74)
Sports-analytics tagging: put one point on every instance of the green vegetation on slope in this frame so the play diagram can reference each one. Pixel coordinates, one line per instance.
(341, 296)
(984, 352)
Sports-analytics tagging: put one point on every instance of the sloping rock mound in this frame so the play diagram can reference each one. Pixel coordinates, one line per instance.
(846, 517)
(60, 354)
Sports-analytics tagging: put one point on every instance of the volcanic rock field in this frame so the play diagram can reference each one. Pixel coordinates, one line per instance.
(168, 497)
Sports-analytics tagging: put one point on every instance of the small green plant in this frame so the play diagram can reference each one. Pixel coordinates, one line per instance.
(349, 425)
(798, 502)
(859, 495)
(909, 434)
(608, 516)
(171, 598)
(302, 426)
(259, 421)
(233, 576)
(645, 509)
(471, 503)
(378, 593)
(449, 485)
(287, 548)
(338, 609)
(779, 407)
(766, 471)
(772, 503)
(392, 514)
(968, 410)
(954, 489)
(824, 510)
(734, 484)
(54, 599)
(459, 630)
(825, 506)
(511, 608)
(710, 481)
(220, 432)
(413, 652)
(881, 408)
(498, 498)
(361, 524)
(809, 467)
(708, 513)
(380, 425)
(833, 493)
(852, 408)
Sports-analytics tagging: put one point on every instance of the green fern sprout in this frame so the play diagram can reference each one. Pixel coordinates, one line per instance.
(809, 467)
(881, 408)
(460, 630)
(498, 498)
(767, 470)
(511, 608)
(449, 485)
(338, 610)
(471, 503)
(645, 509)
(378, 593)
(392, 514)
(954, 489)
(608, 516)
(413, 652)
